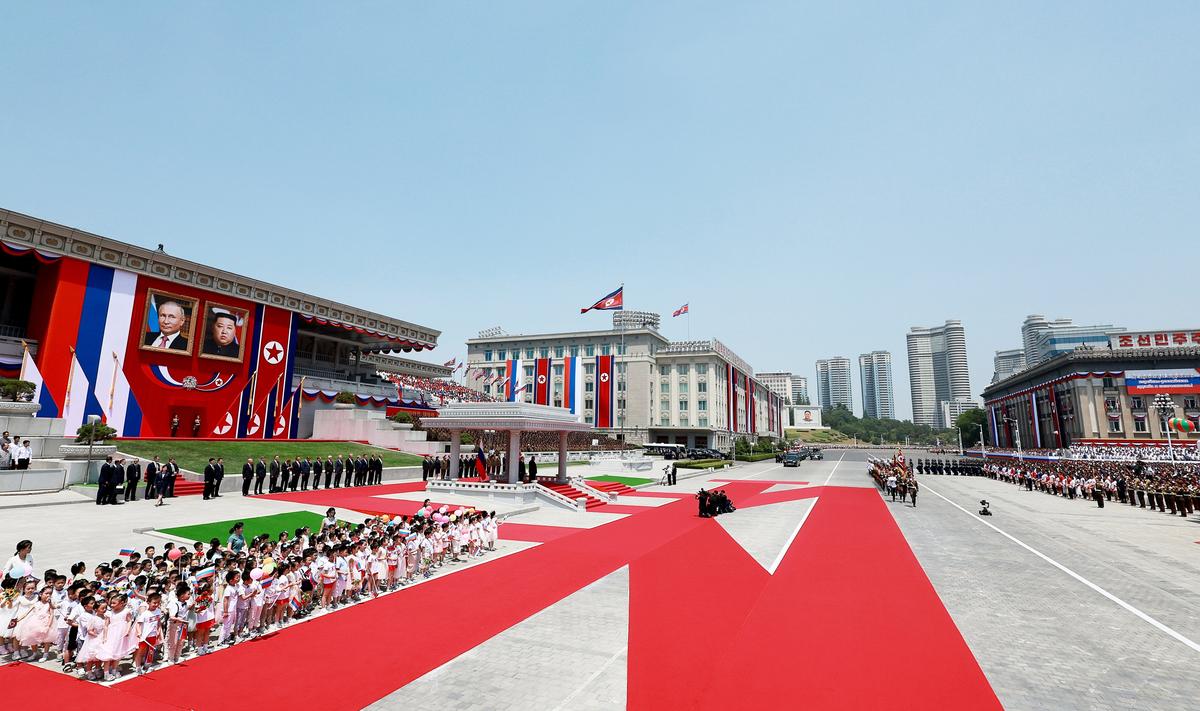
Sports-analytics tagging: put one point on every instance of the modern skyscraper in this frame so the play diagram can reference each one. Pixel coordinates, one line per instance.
(1008, 363)
(1044, 339)
(833, 383)
(800, 390)
(937, 369)
(875, 375)
(778, 383)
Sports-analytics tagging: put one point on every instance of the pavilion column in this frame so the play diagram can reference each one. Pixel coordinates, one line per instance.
(562, 458)
(455, 452)
(514, 455)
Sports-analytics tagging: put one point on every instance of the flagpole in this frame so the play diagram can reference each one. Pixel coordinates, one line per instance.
(621, 417)
(112, 388)
(70, 377)
(25, 352)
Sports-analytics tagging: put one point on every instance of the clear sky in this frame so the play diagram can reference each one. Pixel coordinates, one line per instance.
(813, 180)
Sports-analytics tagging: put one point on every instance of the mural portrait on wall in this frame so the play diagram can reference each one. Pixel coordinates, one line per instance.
(224, 332)
(169, 322)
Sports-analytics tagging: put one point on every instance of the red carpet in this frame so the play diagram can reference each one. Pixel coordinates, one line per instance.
(28, 687)
(530, 532)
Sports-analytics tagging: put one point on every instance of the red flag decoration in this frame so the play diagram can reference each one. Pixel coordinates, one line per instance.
(450, 363)
(604, 391)
(541, 383)
(680, 311)
(613, 302)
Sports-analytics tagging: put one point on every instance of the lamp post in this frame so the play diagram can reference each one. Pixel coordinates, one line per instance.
(1166, 407)
(1017, 432)
(91, 420)
(982, 444)
(960, 447)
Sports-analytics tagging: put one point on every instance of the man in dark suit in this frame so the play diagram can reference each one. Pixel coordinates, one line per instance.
(133, 474)
(378, 470)
(221, 339)
(328, 470)
(337, 479)
(260, 475)
(152, 470)
(276, 468)
(210, 477)
(425, 466)
(361, 468)
(521, 469)
(103, 481)
(247, 475)
(171, 472)
(318, 468)
(171, 323)
(295, 480)
(220, 476)
(533, 469)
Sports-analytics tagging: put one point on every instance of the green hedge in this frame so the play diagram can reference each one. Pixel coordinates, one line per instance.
(701, 464)
(755, 457)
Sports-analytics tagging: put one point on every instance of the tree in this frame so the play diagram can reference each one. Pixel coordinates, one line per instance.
(345, 397)
(96, 433)
(14, 389)
(741, 446)
(466, 438)
(403, 418)
(969, 423)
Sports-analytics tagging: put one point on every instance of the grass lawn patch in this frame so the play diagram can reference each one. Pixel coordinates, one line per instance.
(270, 525)
(626, 480)
(193, 454)
(702, 464)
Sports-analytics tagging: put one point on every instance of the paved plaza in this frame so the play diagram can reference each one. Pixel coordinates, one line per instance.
(1050, 603)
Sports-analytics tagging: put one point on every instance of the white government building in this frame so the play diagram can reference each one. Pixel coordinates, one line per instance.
(666, 391)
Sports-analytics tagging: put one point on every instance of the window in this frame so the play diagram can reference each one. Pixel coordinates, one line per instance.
(487, 355)
(1111, 404)
(664, 387)
(701, 368)
(529, 353)
(621, 404)
(1139, 425)
(1136, 402)
(664, 422)
(558, 351)
(589, 386)
(587, 405)
(558, 388)
(1189, 403)
(605, 349)
(529, 371)
(664, 370)
(1108, 383)
(558, 370)
(702, 405)
(683, 386)
(664, 405)
(589, 368)
(502, 355)
(683, 420)
(544, 352)
(702, 421)
(684, 368)
(558, 402)
(574, 351)
(701, 387)
(683, 404)
(589, 350)
(620, 349)
(620, 385)
(621, 368)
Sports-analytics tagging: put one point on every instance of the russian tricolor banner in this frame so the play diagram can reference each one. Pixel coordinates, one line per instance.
(512, 379)
(604, 391)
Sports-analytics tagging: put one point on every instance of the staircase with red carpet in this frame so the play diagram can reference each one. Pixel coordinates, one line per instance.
(611, 487)
(572, 493)
(183, 487)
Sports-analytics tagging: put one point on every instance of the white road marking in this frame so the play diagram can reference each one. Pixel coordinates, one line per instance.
(783, 551)
(595, 675)
(1147, 618)
(835, 466)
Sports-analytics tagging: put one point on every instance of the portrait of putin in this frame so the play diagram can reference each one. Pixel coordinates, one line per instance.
(172, 316)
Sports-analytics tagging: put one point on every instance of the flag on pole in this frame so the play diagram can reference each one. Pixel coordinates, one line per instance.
(480, 461)
(41, 394)
(126, 553)
(613, 302)
(76, 398)
(680, 311)
(450, 363)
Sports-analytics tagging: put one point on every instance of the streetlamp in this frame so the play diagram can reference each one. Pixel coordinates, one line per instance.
(1016, 430)
(960, 447)
(1166, 407)
(92, 420)
(982, 444)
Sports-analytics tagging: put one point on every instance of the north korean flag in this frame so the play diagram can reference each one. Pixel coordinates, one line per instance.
(604, 391)
(541, 383)
(613, 302)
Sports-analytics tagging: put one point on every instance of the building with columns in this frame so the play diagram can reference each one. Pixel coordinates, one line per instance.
(698, 393)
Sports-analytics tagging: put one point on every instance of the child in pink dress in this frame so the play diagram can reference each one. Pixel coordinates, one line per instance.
(91, 623)
(118, 639)
(35, 629)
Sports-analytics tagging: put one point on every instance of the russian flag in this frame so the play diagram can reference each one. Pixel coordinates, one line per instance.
(512, 379)
(41, 394)
(208, 572)
(266, 583)
(126, 553)
(480, 463)
(294, 604)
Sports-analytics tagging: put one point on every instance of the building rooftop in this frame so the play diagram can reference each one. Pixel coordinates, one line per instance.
(1082, 356)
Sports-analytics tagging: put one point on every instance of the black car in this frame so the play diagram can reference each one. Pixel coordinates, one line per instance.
(792, 459)
(815, 453)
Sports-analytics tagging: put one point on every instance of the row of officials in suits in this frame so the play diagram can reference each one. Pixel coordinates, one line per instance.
(118, 478)
(295, 474)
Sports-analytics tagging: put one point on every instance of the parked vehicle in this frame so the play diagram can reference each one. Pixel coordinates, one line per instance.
(792, 459)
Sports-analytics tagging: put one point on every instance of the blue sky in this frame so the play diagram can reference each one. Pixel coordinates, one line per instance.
(813, 180)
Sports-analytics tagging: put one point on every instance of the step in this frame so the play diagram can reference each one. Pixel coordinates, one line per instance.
(572, 493)
(188, 488)
(613, 487)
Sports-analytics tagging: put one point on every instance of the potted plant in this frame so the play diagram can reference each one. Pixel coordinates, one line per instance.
(344, 400)
(15, 397)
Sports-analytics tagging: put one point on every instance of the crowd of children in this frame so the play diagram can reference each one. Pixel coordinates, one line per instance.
(156, 607)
